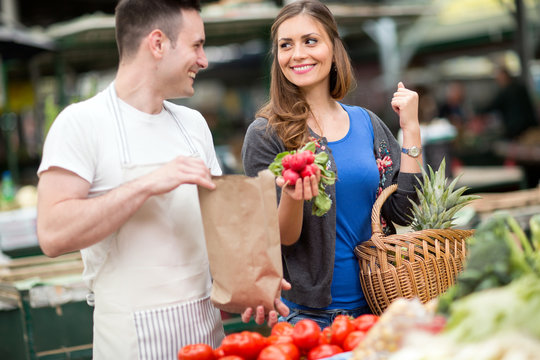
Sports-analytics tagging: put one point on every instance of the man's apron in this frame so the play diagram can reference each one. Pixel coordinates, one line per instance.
(152, 292)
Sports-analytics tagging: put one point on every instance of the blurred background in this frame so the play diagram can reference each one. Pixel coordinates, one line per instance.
(450, 51)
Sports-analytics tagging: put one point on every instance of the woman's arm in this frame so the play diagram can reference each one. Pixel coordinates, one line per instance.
(404, 169)
(405, 104)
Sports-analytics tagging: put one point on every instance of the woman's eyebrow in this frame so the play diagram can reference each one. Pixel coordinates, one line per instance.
(303, 37)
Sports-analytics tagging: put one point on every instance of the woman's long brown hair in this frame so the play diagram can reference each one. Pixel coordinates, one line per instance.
(287, 110)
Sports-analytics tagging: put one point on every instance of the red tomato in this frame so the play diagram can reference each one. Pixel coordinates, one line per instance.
(340, 328)
(196, 352)
(326, 335)
(353, 339)
(273, 352)
(218, 353)
(324, 351)
(290, 349)
(306, 334)
(365, 322)
(231, 357)
(279, 339)
(247, 344)
(282, 328)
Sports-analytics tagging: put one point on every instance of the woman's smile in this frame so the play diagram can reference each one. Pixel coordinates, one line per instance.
(302, 69)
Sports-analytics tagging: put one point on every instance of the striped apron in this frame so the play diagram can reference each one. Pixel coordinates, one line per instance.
(152, 293)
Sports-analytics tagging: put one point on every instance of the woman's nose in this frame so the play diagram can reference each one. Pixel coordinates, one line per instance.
(298, 53)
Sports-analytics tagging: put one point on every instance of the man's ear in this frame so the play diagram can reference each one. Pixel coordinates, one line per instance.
(156, 42)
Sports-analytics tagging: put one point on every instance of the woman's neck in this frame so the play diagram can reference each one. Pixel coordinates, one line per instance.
(326, 118)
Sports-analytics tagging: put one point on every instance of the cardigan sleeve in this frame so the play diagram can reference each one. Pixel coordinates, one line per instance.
(259, 149)
(397, 207)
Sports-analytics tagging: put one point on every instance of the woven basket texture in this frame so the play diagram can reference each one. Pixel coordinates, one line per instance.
(422, 264)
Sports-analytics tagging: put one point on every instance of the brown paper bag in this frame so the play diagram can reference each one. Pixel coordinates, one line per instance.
(242, 237)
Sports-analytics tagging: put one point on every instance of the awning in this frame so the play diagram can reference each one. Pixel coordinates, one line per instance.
(16, 43)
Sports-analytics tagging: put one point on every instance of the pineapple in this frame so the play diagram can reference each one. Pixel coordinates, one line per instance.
(437, 203)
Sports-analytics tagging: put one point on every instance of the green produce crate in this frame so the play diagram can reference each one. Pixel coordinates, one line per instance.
(43, 309)
(232, 323)
(33, 330)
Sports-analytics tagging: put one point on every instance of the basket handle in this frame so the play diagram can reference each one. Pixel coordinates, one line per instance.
(376, 227)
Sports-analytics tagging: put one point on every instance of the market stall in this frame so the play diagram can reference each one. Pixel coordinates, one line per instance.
(525, 152)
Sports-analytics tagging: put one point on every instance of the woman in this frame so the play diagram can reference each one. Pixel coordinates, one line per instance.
(310, 73)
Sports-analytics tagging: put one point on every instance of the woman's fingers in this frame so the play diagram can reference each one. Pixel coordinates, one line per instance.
(304, 189)
(314, 185)
(307, 188)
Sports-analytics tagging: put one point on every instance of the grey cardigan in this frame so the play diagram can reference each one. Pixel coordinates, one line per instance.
(308, 264)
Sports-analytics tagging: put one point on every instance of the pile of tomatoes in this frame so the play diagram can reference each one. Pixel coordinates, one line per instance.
(305, 341)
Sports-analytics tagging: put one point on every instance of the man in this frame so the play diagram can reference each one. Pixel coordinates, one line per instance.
(118, 181)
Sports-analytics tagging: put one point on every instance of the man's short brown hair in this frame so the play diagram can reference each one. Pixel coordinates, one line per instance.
(137, 18)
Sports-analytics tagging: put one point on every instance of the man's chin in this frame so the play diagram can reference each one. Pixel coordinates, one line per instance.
(184, 94)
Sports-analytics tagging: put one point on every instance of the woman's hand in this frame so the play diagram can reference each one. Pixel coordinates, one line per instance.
(304, 189)
(405, 104)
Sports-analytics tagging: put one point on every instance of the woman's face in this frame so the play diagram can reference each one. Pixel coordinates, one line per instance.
(305, 52)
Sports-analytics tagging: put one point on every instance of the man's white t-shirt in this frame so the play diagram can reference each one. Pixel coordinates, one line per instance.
(84, 139)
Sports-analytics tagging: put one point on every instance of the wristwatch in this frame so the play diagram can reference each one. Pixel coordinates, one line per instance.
(413, 151)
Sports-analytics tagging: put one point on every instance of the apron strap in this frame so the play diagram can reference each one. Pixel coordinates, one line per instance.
(120, 127)
(193, 151)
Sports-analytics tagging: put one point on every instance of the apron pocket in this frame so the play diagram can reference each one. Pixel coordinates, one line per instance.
(162, 332)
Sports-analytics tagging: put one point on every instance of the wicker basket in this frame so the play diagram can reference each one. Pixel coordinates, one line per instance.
(420, 264)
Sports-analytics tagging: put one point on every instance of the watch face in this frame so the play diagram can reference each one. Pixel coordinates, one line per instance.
(414, 151)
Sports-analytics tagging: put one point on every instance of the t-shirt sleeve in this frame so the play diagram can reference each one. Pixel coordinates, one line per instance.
(68, 145)
(204, 133)
(213, 162)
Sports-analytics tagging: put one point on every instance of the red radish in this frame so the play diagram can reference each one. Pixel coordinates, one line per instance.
(310, 169)
(297, 162)
(286, 161)
(309, 156)
(290, 176)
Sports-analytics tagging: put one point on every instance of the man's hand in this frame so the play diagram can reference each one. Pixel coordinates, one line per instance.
(181, 170)
(260, 316)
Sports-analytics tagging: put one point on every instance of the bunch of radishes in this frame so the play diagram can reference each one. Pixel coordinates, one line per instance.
(296, 164)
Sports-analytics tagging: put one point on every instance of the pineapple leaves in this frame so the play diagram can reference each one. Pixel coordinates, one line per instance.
(438, 203)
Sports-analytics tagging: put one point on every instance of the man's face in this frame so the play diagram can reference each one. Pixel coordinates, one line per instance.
(183, 61)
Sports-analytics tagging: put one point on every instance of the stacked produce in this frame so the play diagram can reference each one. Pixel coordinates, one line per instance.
(298, 164)
(305, 340)
(491, 313)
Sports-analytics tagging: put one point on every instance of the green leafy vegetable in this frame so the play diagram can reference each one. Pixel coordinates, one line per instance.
(498, 253)
(511, 308)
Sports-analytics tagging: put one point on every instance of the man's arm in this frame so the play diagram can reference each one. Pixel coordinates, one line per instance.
(68, 220)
